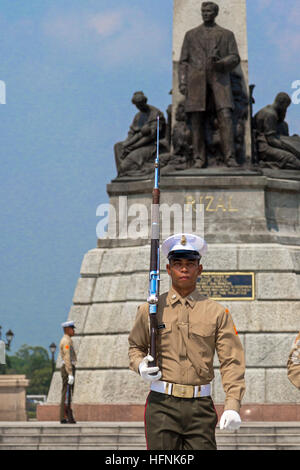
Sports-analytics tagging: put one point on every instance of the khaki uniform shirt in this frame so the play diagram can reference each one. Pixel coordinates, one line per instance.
(293, 364)
(189, 332)
(67, 353)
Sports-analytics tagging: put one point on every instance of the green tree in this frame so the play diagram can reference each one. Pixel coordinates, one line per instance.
(34, 362)
(40, 381)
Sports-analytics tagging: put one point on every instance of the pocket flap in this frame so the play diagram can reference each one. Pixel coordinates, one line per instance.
(202, 329)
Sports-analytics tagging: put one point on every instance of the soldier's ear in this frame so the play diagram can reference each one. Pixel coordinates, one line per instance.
(168, 269)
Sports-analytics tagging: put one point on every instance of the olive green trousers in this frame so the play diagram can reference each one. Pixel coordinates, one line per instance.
(173, 423)
(64, 398)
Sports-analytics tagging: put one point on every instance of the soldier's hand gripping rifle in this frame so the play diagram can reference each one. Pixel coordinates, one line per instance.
(154, 256)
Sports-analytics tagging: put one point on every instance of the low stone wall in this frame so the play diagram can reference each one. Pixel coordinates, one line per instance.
(13, 397)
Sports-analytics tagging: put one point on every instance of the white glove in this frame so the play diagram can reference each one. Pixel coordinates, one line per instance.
(230, 420)
(70, 379)
(145, 371)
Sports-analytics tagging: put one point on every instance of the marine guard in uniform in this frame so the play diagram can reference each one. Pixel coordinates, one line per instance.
(68, 356)
(180, 414)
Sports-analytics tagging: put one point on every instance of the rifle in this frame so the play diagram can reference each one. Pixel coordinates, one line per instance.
(154, 255)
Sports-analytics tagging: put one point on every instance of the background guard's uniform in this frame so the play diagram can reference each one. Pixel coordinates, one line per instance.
(69, 359)
(190, 330)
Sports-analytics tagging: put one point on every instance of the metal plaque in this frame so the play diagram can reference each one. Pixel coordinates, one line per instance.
(227, 286)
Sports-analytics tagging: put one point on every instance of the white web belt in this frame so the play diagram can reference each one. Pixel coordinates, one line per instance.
(181, 391)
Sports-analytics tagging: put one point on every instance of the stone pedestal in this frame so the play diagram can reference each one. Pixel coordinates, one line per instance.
(13, 397)
(251, 224)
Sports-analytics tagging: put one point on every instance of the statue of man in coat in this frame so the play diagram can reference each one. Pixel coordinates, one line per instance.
(209, 53)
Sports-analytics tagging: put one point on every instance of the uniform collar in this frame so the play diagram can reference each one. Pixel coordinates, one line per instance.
(191, 299)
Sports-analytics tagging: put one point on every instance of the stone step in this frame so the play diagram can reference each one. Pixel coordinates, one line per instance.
(82, 437)
(130, 436)
(108, 447)
(69, 429)
(257, 438)
(292, 439)
(261, 446)
(70, 447)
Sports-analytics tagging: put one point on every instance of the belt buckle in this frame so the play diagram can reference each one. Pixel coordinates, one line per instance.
(183, 391)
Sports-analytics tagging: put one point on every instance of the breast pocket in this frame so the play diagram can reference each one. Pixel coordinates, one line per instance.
(202, 348)
(202, 329)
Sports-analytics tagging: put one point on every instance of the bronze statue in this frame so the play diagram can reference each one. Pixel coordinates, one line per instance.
(213, 137)
(138, 149)
(182, 156)
(209, 53)
(275, 147)
(182, 135)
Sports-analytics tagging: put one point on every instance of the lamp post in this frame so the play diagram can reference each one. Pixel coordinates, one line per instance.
(52, 348)
(9, 337)
(5, 346)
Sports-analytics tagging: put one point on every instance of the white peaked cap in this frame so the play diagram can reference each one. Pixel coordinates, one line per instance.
(184, 241)
(68, 323)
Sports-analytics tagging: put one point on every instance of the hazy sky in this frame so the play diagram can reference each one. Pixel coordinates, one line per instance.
(70, 69)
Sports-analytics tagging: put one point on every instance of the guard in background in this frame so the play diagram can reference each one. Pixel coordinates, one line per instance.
(293, 364)
(180, 414)
(68, 356)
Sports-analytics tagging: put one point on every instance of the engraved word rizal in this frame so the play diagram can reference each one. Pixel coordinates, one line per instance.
(210, 203)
